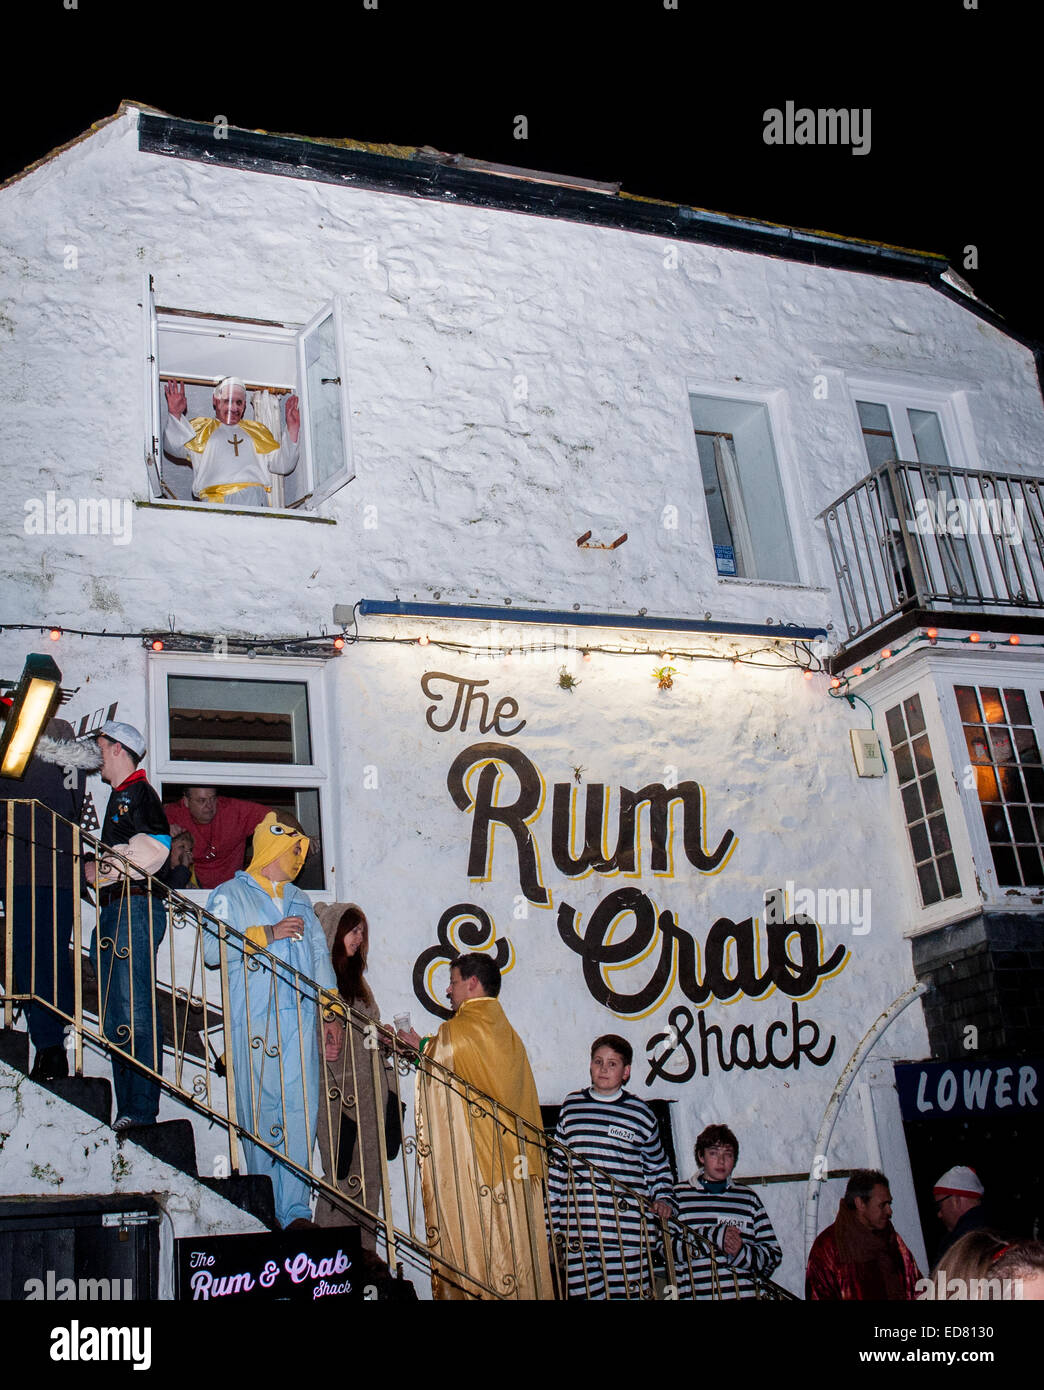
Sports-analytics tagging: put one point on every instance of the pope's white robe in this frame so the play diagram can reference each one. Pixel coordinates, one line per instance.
(229, 456)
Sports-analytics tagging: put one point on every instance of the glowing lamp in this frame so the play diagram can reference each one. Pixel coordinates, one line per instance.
(33, 704)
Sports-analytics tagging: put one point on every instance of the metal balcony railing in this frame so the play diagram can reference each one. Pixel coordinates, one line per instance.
(909, 537)
(241, 1043)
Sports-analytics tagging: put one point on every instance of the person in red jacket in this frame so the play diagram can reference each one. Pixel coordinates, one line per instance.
(220, 827)
(861, 1256)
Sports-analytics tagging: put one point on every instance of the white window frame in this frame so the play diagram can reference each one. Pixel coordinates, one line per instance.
(890, 688)
(999, 669)
(162, 768)
(951, 406)
(775, 402)
(290, 336)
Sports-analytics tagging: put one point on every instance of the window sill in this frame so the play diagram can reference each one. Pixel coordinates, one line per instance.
(737, 580)
(161, 504)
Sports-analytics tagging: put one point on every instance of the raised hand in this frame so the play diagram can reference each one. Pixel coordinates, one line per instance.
(292, 411)
(176, 402)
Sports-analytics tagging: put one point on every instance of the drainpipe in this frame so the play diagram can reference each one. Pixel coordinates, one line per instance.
(826, 1129)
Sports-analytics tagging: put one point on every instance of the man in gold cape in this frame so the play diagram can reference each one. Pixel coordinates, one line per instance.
(481, 1146)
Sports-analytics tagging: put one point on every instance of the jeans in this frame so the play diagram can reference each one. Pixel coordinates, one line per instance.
(54, 918)
(126, 940)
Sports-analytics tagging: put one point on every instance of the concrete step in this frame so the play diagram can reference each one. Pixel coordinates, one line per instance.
(91, 1094)
(251, 1192)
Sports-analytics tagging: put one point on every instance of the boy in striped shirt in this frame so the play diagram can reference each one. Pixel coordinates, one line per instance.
(730, 1218)
(608, 1237)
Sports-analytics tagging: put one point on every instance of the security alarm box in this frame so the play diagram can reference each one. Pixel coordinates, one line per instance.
(866, 749)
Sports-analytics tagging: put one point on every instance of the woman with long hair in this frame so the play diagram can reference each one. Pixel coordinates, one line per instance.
(349, 1099)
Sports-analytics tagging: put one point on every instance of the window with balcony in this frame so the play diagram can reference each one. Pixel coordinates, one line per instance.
(746, 510)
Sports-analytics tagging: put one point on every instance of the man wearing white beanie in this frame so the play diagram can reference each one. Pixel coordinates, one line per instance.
(958, 1204)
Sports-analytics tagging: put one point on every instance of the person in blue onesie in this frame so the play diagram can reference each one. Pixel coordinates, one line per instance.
(274, 1023)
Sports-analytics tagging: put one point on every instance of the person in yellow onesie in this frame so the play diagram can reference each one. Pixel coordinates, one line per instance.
(481, 1145)
(274, 1008)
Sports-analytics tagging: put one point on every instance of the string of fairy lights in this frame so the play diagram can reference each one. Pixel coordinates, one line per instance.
(779, 653)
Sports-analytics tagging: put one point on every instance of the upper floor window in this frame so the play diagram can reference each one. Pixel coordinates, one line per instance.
(246, 413)
(746, 509)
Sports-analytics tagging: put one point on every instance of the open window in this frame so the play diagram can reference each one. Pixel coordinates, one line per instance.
(253, 731)
(274, 360)
(746, 509)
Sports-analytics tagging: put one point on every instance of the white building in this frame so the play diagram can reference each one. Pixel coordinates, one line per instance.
(501, 378)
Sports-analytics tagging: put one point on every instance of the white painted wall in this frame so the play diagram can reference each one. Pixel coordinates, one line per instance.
(477, 495)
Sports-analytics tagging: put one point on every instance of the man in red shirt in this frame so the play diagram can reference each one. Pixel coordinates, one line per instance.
(220, 827)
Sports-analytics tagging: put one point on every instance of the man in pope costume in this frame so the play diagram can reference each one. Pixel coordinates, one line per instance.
(232, 458)
(277, 1080)
(481, 1142)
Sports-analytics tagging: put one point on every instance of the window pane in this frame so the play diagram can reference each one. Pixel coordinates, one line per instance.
(1000, 741)
(996, 823)
(873, 417)
(1035, 782)
(896, 729)
(904, 768)
(919, 842)
(987, 780)
(951, 884)
(991, 705)
(726, 558)
(238, 721)
(1029, 862)
(978, 747)
(1006, 867)
(1018, 710)
(1021, 824)
(1026, 744)
(1010, 784)
(940, 834)
(914, 714)
(930, 792)
(928, 440)
(324, 400)
(912, 803)
(967, 704)
(923, 754)
(929, 884)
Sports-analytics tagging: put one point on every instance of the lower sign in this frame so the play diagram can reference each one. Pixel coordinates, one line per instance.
(306, 1266)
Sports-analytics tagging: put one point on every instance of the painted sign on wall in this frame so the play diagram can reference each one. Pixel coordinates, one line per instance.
(502, 791)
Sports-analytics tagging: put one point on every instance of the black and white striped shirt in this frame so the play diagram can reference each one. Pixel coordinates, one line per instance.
(710, 1213)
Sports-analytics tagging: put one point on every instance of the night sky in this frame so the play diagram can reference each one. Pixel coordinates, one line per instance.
(668, 102)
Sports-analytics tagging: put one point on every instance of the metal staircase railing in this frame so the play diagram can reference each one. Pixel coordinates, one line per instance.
(243, 1046)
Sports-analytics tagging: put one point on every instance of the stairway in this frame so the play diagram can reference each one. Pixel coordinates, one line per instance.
(171, 1141)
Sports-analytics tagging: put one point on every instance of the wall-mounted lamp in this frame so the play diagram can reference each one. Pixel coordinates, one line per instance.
(35, 700)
